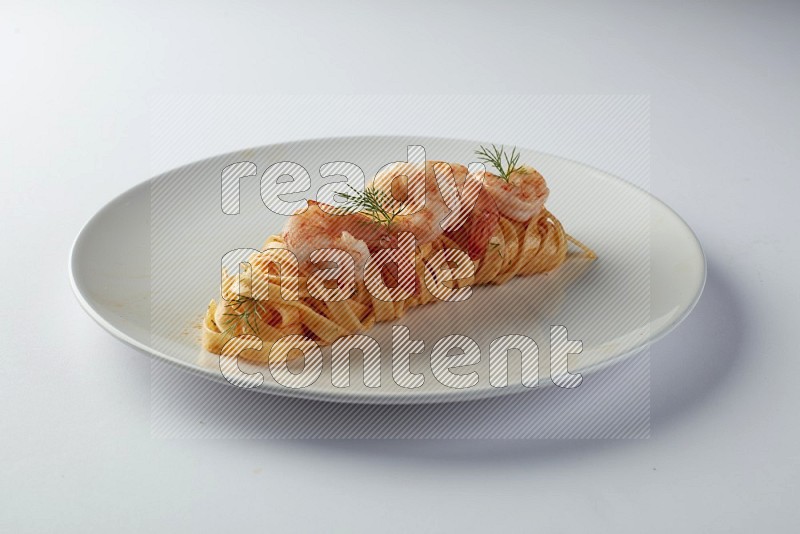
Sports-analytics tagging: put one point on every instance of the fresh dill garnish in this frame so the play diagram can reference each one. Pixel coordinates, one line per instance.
(500, 160)
(372, 202)
(494, 244)
(245, 309)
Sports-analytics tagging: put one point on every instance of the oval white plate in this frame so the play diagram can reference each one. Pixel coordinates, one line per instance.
(649, 273)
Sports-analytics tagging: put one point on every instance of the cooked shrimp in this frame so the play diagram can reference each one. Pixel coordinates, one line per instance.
(329, 228)
(423, 212)
(416, 190)
(520, 198)
(470, 227)
(315, 229)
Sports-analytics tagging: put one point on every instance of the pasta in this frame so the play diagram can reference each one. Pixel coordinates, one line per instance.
(514, 249)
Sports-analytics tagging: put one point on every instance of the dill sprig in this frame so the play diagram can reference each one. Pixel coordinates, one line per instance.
(372, 202)
(500, 160)
(494, 244)
(246, 310)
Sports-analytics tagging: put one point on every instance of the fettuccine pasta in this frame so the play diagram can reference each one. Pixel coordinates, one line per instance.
(514, 249)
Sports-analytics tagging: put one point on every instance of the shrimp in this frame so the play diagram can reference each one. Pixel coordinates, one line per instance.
(471, 229)
(421, 209)
(315, 229)
(415, 192)
(354, 233)
(473, 235)
(520, 198)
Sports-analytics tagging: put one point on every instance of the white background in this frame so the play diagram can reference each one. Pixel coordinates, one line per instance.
(77, 82)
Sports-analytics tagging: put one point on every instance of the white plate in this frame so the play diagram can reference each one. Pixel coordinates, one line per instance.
(649, 273)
